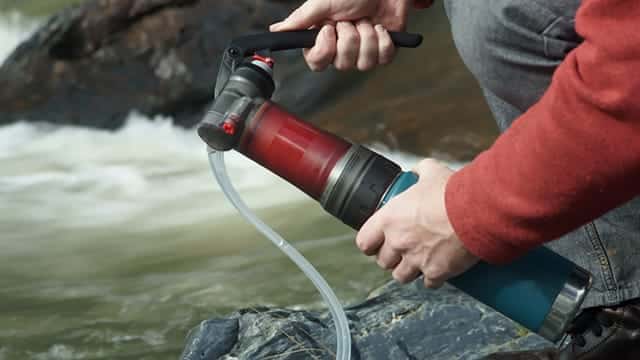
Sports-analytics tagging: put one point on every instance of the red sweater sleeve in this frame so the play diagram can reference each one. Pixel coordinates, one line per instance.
(569, 159)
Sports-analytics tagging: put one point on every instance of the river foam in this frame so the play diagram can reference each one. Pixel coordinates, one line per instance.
(87, 177)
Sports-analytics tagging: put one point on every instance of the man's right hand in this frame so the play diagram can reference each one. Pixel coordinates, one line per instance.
(353, 32)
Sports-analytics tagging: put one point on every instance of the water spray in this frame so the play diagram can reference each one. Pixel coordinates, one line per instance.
(542, 290)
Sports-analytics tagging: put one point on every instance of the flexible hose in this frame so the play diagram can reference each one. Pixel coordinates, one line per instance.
(343, 336)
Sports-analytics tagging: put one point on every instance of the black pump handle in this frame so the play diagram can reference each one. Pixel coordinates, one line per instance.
(249, 44)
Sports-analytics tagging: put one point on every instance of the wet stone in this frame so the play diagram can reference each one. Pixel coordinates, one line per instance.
(398, 322)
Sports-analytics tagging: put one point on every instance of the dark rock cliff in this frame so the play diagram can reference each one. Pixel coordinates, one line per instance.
(92, 64)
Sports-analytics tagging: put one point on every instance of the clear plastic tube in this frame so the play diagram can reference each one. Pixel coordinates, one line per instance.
(343, 335)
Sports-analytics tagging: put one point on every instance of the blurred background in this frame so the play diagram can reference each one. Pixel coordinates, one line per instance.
(115, 240)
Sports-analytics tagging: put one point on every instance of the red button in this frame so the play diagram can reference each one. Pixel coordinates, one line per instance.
(229, 127)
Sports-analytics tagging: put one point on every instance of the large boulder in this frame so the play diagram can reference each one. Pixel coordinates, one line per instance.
(94, 63)
(396, 322)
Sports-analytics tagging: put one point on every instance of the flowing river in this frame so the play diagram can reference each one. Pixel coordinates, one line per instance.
(114, 244)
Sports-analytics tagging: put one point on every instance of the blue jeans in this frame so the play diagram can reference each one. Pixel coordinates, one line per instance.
(512, 47)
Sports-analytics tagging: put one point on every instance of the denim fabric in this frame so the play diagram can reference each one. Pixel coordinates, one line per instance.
(512, 47)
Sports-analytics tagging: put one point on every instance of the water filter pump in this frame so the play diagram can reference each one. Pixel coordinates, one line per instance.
(542, 290)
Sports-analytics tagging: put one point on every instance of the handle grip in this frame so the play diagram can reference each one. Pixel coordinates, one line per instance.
(287, 40)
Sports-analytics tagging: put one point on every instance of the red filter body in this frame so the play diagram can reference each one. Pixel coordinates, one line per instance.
(291, 148)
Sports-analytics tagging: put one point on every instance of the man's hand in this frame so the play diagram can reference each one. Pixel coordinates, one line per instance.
(353, 32)
(412, 233)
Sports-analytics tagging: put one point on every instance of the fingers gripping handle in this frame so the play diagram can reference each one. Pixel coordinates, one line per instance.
(247, 45)
(275, 41)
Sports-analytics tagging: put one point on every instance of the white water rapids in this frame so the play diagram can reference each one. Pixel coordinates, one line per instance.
(115, 243)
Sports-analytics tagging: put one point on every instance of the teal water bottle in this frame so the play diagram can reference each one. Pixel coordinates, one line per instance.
(541, 290)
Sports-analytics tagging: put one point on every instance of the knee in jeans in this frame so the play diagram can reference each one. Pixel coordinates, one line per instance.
(472, 38)
(497, 37)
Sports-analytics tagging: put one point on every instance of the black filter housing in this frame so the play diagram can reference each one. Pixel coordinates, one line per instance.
(356, 189)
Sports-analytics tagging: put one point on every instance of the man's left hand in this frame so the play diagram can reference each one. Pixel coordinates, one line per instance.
(412, 233)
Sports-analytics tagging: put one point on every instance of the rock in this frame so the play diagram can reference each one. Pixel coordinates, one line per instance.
(94, 63)
(396, 322)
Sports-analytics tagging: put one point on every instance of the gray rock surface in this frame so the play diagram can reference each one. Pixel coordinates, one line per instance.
(93, 64)
(396, 322)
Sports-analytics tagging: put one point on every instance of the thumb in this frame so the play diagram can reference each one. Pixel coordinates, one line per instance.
(371, 235)
(308, 14)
